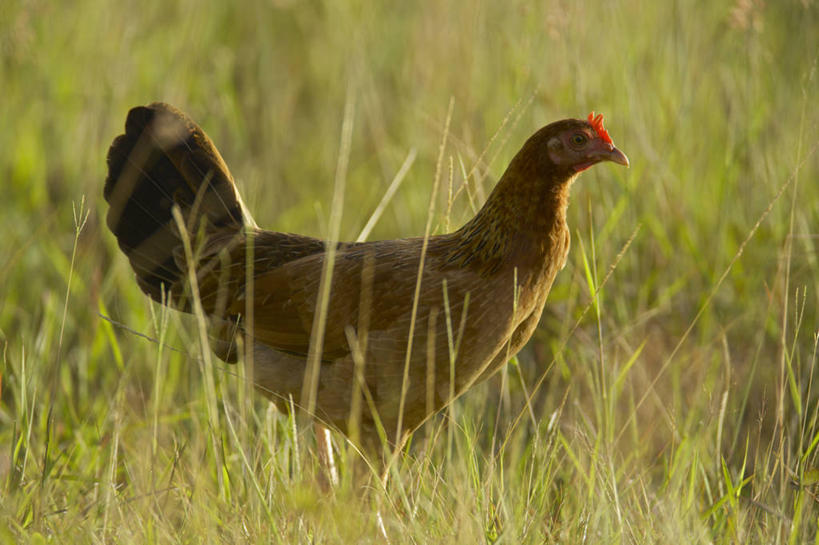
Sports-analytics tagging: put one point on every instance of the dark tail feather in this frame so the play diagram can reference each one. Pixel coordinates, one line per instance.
(165, 159)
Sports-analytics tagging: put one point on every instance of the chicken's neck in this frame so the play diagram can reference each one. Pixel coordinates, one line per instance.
(523, 221)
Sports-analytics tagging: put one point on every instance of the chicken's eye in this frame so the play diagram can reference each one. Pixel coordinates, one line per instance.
(579, 139)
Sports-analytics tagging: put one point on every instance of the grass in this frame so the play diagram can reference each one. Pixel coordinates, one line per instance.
(679, 398)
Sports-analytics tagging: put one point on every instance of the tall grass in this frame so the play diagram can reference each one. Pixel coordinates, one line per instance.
(672, 395)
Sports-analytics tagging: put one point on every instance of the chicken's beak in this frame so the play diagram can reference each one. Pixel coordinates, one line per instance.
(618, 157)
(601, 150)
(614, 155)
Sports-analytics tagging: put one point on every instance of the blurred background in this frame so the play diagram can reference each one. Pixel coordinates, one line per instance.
(687, 374)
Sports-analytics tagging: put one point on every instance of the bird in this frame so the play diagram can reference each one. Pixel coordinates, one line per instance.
(369, 338)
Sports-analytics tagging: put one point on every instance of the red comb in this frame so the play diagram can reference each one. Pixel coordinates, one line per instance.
(597, 124)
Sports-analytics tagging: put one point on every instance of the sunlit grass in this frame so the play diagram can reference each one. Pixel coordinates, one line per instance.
(678, 403)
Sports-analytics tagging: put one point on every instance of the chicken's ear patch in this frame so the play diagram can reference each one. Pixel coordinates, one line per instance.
(597, 124)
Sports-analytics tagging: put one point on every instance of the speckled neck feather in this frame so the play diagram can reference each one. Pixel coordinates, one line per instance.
(523, 208)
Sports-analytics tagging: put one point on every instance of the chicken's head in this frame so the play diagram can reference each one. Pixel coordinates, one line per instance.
(575, 144)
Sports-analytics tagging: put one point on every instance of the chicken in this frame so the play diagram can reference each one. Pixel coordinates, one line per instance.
(393, 347)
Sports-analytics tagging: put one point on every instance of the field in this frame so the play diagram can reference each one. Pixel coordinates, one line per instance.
(667, 396)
